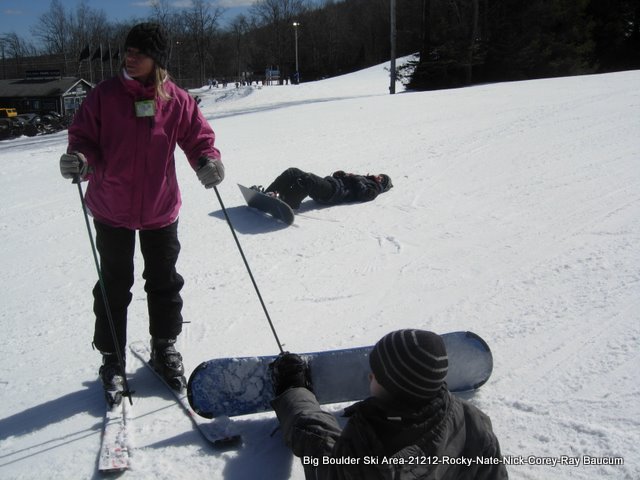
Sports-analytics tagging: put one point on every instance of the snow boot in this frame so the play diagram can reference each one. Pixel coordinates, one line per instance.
(112, 376)
(167, 361)
(292, 196)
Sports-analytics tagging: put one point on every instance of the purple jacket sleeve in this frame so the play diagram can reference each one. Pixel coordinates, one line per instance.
(84, 131)
(196, 137)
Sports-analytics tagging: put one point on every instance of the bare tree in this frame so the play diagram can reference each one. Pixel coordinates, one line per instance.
(276, 11)
(239, 28)
(89, 27)
(167, 16)
(201, 23)
(13, 46)
(162, 12)
(53, 29)
(277, 16)
(90, 24)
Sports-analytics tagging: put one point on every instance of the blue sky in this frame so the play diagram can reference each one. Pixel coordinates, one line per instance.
(19, 15)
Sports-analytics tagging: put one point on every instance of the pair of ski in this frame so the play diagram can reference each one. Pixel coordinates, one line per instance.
(115, 447)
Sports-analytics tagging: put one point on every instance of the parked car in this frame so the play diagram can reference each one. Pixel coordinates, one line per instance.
(63, 120)
(6, 128)
(32, 124)
(18, 126)
(53, 122)
(8, 112)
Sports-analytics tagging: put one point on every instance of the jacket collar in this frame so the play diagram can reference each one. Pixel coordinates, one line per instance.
(135, 88)
(395, 426)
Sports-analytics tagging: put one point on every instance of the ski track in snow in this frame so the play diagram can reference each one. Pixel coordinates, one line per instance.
(515, 213)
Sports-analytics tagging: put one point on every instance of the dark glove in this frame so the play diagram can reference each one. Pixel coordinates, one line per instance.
(289, 370)
(365, 191)
(74, 165)
(367, 194)
(211, 172)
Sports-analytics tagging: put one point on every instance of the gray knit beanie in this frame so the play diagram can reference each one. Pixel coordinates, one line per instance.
(410, 364)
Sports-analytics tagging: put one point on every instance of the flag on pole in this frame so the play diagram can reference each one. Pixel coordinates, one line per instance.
(97, 53)
(84, 54)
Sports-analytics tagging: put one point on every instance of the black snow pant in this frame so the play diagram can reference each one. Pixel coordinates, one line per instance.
(293, 185)
(160, 249)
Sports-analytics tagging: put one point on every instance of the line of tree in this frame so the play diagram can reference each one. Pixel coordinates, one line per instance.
(474, 41)
(459, 42)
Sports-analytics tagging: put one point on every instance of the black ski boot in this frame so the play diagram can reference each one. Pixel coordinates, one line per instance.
(112, 376)
(167, 361)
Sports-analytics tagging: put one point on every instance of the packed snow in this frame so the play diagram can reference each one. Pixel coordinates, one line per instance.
(515, 213)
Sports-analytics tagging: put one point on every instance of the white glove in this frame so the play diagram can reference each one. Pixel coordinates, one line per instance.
(211, 172)
(73, 165)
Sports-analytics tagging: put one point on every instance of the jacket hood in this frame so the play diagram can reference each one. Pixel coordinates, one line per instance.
(398, 425)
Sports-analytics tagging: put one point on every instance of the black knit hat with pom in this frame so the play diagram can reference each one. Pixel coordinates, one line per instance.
(149, 39)
(410, 364)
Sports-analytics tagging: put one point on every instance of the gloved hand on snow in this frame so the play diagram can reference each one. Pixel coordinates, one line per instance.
(74, 165)
(211, 172)
(289, 370)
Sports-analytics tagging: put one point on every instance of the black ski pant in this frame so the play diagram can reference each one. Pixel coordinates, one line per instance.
(160, 249)
(294, 185)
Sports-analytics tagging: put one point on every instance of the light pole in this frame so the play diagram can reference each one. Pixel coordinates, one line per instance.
(4, 68)
(392, 68)
(178, 55)
(296, 75)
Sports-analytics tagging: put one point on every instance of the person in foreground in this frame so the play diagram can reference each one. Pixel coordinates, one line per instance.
(411, 427)
(294, 185)
(122, 141)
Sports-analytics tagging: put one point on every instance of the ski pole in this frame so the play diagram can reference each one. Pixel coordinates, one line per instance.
(246, 264)
(103, 290)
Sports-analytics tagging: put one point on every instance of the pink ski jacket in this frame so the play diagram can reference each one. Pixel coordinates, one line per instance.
(133, 181)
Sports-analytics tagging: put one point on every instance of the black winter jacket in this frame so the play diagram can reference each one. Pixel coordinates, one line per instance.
(349, 187)
(449, 439)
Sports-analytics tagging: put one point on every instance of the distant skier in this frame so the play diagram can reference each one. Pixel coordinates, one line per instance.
(411, 427)
(122, 141)
(294, 185)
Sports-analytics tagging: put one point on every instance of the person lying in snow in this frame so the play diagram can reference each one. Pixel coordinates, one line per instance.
(411, 427)
(294, 185)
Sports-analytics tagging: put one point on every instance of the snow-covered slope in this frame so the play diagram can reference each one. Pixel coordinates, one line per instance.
(515, 214)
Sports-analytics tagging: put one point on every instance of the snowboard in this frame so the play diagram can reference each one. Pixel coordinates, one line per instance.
(240, 386)
(268, 204)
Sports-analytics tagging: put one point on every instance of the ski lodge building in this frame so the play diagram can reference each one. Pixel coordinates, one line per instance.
(44, 91)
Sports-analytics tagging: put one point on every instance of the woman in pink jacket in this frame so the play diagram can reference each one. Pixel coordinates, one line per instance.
(122, 141)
